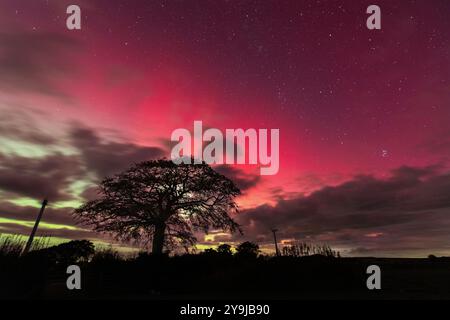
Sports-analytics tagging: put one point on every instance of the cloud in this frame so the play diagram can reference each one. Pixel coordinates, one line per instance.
(48, 176)
(66, 233)
(438, 147)
(243, 180)
(61, 219)
(17, 125)
(105, 158)
(33, 62)
(411, 207)
(62, 216)
(91, 193)
(53, 174)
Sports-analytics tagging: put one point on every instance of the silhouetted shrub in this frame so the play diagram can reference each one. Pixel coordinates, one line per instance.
(209, 252)
(247, 249)
(106, 255)
(67, 253)
(224, 249)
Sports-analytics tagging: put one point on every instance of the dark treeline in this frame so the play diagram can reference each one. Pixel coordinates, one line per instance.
(217, 272)
(213, 273)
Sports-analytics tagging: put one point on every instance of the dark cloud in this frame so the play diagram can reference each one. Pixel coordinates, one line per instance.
(51, 175)
(67, 233)
(48, 176)
(54, 215)
(438, 146)
(33, 61)
(17, 125)
(91, 193)
(107, 157)
(410, 207)
(60, 216)
(243, 180)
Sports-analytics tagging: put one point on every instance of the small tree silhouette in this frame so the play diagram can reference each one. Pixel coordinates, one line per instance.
(224, 249)
(67, 253)
(247, 249)
(162, 201)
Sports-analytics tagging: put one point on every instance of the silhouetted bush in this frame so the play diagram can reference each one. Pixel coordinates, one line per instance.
(247, 249)
(224, 249)
(105, 255)
(67, 253)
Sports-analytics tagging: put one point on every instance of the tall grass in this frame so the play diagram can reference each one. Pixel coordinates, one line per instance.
(13, 245)
(302, 249)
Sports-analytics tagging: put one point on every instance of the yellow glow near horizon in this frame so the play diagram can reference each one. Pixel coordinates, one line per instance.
(42, 225)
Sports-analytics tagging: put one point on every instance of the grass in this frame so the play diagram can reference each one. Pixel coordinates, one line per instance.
(13, 245)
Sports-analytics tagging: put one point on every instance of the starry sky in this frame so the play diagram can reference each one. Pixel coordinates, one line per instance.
(363, 114)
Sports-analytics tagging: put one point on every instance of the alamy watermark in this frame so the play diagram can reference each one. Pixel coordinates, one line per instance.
(236, 146)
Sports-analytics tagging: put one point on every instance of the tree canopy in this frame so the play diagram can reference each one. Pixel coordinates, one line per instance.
(164, 202)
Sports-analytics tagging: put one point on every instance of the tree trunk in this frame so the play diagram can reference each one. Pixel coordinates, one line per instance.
(158, 238)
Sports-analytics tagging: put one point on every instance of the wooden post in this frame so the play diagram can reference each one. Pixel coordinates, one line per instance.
(275, 240)
(36, 225)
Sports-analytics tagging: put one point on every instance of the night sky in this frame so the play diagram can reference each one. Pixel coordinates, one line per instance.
(363, 114)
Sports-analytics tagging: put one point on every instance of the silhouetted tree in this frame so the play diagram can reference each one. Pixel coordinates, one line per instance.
(247, 249)
(224, 249)
(163, 201)
(68, 252)
(209, 252)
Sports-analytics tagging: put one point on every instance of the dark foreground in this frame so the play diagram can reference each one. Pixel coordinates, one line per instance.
(228, 277)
